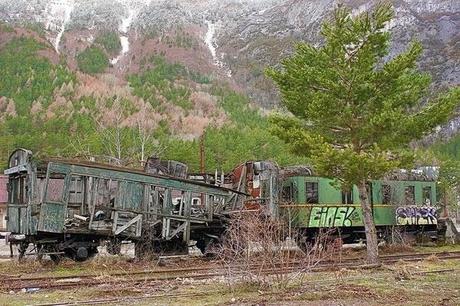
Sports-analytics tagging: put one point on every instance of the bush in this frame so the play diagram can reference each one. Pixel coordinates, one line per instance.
(92, 60)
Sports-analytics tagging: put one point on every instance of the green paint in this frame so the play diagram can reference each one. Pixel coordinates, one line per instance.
(331, 212)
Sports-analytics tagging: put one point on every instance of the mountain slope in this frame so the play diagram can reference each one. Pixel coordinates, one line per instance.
(127, 78)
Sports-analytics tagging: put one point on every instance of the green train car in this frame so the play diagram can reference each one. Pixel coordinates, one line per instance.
(316, 202)
(406, 200)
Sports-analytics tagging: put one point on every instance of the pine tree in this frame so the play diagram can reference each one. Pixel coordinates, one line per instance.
(355, 110)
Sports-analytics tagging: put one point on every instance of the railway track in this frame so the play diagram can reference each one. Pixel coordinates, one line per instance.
(203, 272)
(115, 300)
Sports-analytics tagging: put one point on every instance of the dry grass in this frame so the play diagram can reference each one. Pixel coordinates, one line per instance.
(432, 258)
(396, 248)
(401, 284)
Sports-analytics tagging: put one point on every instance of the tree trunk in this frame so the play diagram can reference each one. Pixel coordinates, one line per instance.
(369, 225)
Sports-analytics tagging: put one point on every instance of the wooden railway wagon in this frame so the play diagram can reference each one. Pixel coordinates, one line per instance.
(406, 201)
(68, 208)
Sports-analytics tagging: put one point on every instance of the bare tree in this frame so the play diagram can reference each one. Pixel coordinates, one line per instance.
(110, 127)
(146, 125)
(260, 250)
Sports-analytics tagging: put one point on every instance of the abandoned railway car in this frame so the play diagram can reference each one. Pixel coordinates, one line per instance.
(67, 208)
(314, 203)
(407, 201)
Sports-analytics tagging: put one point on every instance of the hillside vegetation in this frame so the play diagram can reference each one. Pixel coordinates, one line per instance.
(163, 110)
(92, 60)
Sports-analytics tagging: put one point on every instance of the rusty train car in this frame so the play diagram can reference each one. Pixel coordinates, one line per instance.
(404, 201)
(68, 208)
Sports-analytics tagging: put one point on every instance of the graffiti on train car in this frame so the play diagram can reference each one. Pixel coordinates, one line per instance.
(416, 215)
(331, 216)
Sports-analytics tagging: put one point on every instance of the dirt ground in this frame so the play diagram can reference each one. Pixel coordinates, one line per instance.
(428, 282)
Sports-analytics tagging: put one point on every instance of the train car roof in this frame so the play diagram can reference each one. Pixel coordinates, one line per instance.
(103, 166)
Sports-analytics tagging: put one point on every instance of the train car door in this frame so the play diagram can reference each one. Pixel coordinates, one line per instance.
(18, 179)
(17, 204)
(53, 210)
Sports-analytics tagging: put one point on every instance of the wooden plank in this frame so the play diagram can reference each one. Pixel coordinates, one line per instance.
(182, 227)
(138, 218)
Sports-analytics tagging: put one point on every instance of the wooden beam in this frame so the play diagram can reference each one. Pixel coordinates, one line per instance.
(138, 218)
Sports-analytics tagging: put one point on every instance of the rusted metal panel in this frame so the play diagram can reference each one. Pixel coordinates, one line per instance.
(169, 167)
(260, 180)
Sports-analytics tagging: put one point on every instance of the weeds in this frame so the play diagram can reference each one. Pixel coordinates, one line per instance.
(257, 250)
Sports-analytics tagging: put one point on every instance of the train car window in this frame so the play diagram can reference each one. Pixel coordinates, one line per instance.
(76, 191)
(311, 190)
(55, 188)
(153, 204)
(17, 190)
(410, 195)
(386, 194)
(287, 193)
(113, 191)
(198, 209)
(427, 195)
(347, 197)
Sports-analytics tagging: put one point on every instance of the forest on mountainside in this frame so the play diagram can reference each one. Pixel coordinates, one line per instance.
(54, 110)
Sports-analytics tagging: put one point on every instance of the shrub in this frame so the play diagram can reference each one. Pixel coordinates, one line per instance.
(92, 60)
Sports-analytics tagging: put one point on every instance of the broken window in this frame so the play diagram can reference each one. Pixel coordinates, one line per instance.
(76, 190)
(55, 188)
(287, 194)
(76, 196)
(17, 190)
(427, 195)
(312, 195)
(347, 196)
(410, 195)
(386, 194)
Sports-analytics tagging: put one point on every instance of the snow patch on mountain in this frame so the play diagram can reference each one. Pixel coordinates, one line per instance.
(211, 43)
(124, 40)
(57, 15)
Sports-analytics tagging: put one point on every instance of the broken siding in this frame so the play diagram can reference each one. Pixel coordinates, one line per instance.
(3, 191)
(3, 201)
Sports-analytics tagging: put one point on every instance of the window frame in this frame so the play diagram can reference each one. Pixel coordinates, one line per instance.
(62, 197)
(386, 194)
(315, 191)
(430, 195)
(410, 188)
(347, 197)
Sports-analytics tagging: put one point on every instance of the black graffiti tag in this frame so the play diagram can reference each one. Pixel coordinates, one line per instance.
(416, 215)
